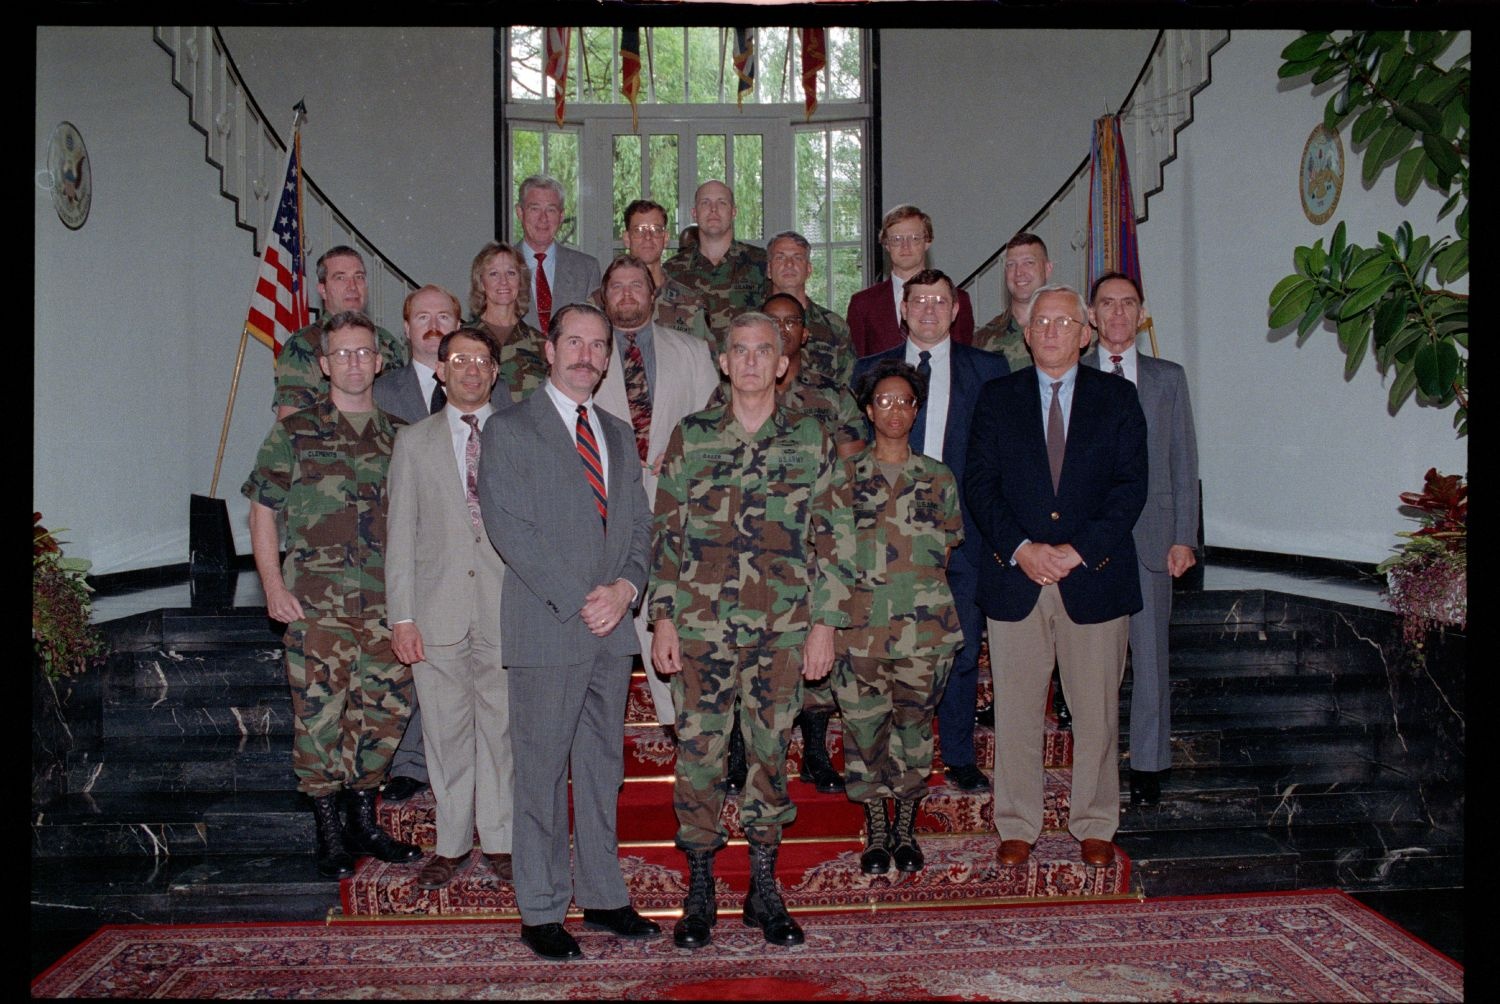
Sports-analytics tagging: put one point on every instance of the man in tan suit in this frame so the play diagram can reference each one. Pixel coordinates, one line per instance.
(443, 582)
(661, 377)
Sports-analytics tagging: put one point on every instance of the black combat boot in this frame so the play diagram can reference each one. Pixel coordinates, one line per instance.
(700, 910)
(362, 835)
(734, 779)
(876, 860)
(816, 767)
(1060, 704)
(333, 860)
(907, 854)
(763, 906)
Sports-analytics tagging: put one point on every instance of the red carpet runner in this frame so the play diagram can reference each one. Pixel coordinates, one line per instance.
(1315, 946)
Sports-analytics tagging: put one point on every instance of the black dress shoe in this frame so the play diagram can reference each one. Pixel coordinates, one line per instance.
(1145, 787)
(400, 788)
(550, 942)
(623, 921)
(985, 716)
(968, 778)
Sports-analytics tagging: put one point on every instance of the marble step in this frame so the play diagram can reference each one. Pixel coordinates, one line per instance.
(160, 670)
(211, 763)
(200, 710)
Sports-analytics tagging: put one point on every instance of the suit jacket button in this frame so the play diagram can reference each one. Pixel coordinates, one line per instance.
(1056, 516)
(471, 573)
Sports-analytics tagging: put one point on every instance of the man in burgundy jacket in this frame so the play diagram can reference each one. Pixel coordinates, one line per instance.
(874, 313)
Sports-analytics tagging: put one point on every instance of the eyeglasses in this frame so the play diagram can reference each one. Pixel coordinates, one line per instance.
(885, 402)
(462, 360)
(363, 354)
(904, 240)
(648, 230)
(788, 323)
(800, 258)
(929, 300)
(1062, 325)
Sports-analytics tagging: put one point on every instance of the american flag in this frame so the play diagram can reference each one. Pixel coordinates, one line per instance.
(278, 306)
(556, 67)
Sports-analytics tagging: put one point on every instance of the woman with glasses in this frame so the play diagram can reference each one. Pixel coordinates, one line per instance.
(499, 294)
(904, 628)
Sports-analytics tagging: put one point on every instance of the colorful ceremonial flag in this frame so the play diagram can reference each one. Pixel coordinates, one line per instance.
(630, 69)
(278, 305)
(1112, 240)
(744, 62)
(814, 58)
(556, 66)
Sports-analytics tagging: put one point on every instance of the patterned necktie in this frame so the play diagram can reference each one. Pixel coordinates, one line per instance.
(1056, 437)
(638, 393)
(543, 293)
(438, 400)
(471, 471)
(917, 439)
(1118, 370)
(593, 466)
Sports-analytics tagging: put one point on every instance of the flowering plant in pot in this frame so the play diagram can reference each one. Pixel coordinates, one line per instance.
(1426, 580)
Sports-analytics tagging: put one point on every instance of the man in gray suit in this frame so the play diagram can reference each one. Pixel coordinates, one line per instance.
(413, 392)
(560, 487)
(559, 275)
(443, 582)
(1167, 528)
(659, 377)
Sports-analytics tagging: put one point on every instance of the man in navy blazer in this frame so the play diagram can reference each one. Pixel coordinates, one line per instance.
(1056, 482)
(955, 375)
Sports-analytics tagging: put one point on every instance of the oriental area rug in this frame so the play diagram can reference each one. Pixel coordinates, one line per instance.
(1296, 946)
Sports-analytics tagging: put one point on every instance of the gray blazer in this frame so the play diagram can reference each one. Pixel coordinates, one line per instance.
(574, 278)
(541, 518)
(400, 393)
(1171, 513)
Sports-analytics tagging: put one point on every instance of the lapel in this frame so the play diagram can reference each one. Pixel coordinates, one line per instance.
(1083, 420)
(960, 391)
(574, 496)
(1148, 388)
(438, 446)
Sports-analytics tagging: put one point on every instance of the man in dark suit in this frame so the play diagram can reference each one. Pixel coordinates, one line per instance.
(874, 313)
(560, 492)
(412, 393)
(1168, 528)
(559, 275)
(955, 373)
(1056, 482)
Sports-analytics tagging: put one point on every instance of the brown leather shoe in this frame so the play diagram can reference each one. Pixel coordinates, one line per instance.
(500, 864)
(1098, 853)
(1014, 852)
(439, 871)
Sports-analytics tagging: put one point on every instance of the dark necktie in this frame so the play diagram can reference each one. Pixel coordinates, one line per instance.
(1056, 437)
(593, 466)
(543, 293)
(918, 436)
(438, 400)
(1118, 370)
(638, 393)
(471, 471)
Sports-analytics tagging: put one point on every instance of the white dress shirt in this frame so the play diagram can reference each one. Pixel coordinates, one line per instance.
(458, 430)
(1127, 362)
(549, 266)
(567, 410)
(939, 384)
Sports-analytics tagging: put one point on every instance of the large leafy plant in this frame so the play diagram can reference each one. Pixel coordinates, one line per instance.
(1392, 299)
(62, 637)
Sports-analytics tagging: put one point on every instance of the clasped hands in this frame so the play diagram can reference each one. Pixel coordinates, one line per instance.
(1045, 564)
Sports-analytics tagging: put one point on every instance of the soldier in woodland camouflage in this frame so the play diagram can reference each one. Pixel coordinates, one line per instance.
(904, 628)
(750, 578)
(730, 275)
(499, 295)
(324, 470)
(828, 353)
(341, 286)
(1026, 270)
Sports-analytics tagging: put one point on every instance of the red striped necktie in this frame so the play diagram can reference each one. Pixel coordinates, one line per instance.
(593, 466)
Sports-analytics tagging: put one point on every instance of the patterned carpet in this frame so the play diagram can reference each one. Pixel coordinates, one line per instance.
(1299, 946)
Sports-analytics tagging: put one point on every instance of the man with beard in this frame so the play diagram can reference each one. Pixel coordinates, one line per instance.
(660, 376)
(411, 393)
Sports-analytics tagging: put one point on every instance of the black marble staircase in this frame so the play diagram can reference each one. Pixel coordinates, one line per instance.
(1308, 751)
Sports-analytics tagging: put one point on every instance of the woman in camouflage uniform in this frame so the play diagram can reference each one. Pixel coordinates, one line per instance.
(499, 294)
(904, 628)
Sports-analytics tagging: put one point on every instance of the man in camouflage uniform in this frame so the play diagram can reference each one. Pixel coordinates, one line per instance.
(828, 354)
(341, 287)
(1026, 270)
(324, 469)
(748, 586)
(677, 306)
(904, 627)
(729, 274)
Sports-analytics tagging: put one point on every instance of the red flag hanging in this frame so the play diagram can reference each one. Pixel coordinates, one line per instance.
(557, 66)
(814, 58)
(278, 304)
(745, 59)
(630, 69)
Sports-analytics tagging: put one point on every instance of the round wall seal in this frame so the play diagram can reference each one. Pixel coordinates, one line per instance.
(72, 182)
(1320, 176)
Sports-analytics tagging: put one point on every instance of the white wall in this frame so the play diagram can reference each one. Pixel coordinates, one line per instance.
(979, 127)
(1294, 459)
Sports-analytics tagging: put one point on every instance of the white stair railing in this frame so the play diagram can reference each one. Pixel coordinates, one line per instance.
(250, 156)
(1159, 106)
